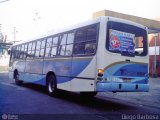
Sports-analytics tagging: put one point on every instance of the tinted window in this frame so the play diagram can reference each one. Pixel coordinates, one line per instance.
(13, 53)
(18, 51)
(22, 52)
(85, 40)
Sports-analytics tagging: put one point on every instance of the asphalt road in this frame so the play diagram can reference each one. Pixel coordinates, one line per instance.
(31, 101)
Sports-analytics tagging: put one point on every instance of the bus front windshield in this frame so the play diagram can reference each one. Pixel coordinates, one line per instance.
(125, 39)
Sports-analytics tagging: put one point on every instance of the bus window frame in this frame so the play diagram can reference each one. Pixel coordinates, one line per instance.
(86, 41)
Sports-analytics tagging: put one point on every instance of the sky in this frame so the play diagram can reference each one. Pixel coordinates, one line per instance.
(35, 17)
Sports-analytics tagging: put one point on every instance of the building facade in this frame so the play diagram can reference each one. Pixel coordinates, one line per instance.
(154, 54)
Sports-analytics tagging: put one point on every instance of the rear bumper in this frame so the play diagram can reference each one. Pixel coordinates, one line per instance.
(122, 87)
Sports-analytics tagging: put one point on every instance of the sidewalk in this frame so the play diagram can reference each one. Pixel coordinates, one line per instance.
(151, 98)
(4, 63)
(3, 69)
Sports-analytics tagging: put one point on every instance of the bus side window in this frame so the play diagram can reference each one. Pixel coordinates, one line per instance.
(25, 50)
(69, 44)
(79, 46)
(33, 49)
(62, 46)
(38, 46)
(85, 40)
(90, 48)
(22, 52)
(42, 50)
(48, 47)
(90, 45)
(18, 52)
(29, 50)
(54, 46)
(13, 53)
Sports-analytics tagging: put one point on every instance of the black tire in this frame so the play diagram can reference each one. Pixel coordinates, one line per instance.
(88, 94)
(51, 85)
(16, 78)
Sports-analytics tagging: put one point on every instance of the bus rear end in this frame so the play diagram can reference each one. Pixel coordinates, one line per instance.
(122, 62)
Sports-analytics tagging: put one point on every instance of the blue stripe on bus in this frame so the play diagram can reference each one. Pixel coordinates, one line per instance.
(33, 78)
(75, 69)
(33, 72)
(137, 72)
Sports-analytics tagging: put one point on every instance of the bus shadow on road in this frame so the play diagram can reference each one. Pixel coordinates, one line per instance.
(98, 102)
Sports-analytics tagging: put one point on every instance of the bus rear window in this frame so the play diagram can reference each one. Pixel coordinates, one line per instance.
(126, 40)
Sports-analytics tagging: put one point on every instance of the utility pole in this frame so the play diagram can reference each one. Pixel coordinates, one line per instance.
(1, 35)
(14, 34)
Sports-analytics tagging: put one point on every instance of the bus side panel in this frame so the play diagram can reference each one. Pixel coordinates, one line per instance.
(83, 72)
(49, 65)
(33, 72)
(71, 74)
(33, 78)
(62, 69)
(20, 66)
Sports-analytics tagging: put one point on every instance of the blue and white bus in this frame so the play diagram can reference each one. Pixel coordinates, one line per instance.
(100, 55)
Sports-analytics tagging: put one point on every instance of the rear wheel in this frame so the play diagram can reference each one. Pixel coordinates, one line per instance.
(16, 78)
(51, 85)
(88, 94)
